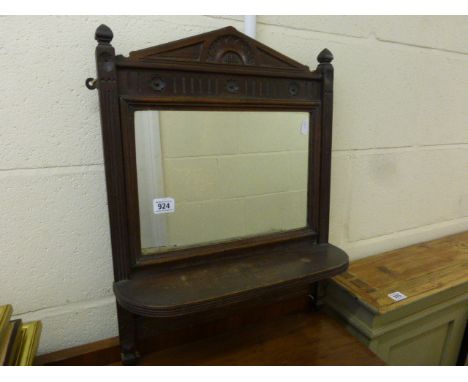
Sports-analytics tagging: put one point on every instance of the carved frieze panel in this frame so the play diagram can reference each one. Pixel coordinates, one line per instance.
(166, 83)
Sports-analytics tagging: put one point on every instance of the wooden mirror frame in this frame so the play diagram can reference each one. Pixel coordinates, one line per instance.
(219, 70)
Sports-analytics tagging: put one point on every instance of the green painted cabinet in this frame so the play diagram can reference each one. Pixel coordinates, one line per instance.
(429, 333)
(426, 326)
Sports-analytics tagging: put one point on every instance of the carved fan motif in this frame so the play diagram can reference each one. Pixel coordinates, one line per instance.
(230, 49)
(231, 58)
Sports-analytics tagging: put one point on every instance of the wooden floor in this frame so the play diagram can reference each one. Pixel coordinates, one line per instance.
(300, 339)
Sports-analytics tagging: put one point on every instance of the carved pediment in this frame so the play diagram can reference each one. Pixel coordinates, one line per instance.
(226, 46)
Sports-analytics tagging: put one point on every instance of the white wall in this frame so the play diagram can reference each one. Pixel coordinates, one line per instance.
(400, 149)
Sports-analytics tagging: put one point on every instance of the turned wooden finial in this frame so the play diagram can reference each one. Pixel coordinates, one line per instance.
(325, 56)
(103, 34)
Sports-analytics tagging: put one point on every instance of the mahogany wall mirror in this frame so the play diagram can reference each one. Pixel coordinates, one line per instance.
(210, 176)
(217, 152)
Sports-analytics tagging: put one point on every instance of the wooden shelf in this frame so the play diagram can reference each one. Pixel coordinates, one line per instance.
(159, 292)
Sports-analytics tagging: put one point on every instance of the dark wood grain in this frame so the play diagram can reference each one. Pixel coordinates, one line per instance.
(302, 339)
(161, 334)
(297, 339)
(212, 251)
(166, 292)
(218, 48)
(326, 68)
(113, 152)
(219, 70)
(97, 353)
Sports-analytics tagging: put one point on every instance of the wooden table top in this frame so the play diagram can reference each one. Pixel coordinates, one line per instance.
(417, 271)
(301, 339)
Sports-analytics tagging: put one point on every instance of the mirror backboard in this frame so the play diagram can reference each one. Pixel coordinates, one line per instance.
(212, 176)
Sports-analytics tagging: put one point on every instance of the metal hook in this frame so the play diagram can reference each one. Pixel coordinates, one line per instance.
(91, 83)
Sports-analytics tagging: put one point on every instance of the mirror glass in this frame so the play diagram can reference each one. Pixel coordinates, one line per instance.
(211, 176)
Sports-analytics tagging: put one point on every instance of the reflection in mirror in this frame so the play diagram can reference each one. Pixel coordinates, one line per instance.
(230, 174)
